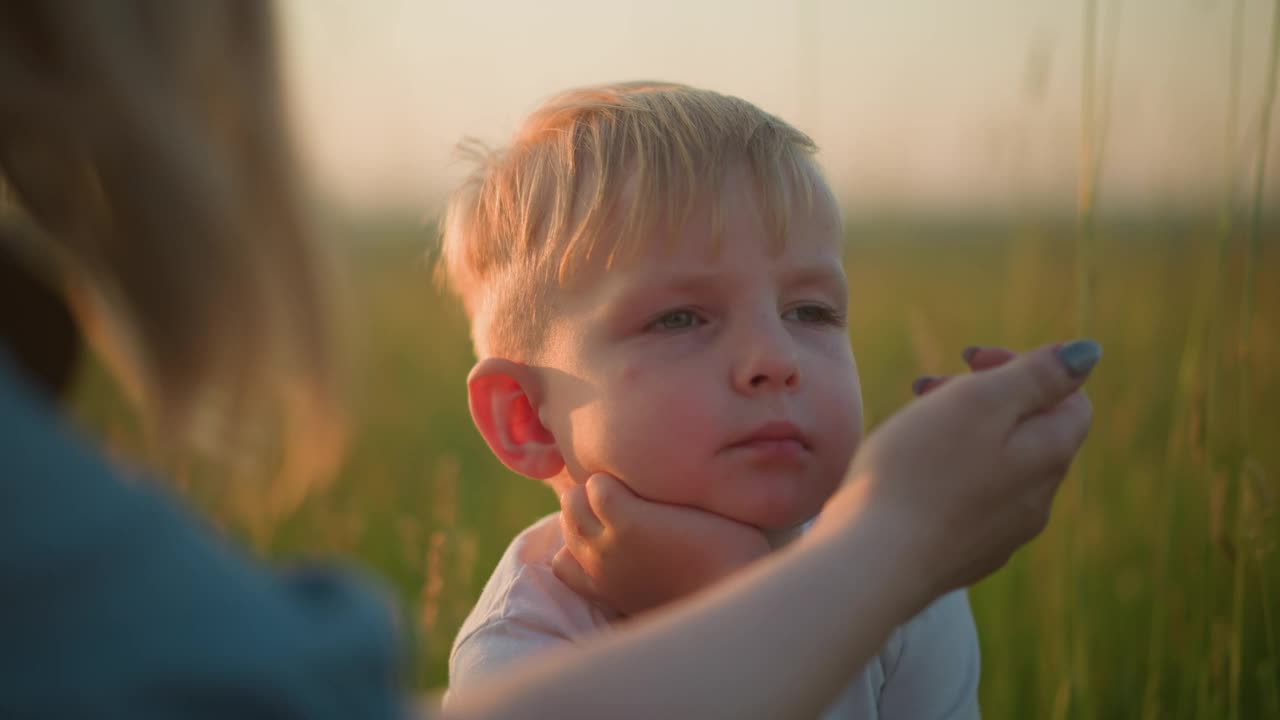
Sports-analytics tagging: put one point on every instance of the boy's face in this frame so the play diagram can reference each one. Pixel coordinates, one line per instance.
(722, 381)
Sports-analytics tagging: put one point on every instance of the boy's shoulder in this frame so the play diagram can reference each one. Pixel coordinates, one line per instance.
(523, 608)
(932, 665)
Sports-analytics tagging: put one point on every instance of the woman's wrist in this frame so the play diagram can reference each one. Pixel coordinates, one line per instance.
(868, 541)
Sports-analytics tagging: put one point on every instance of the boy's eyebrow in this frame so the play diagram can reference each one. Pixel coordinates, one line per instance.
(829, 275)
(683, 279)
(680, 279)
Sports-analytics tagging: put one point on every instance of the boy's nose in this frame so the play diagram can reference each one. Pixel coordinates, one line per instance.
(782, 378)
(769, 363)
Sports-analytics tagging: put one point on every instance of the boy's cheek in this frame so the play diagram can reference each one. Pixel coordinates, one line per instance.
(662, 455)
(842, 416)
(631, 440)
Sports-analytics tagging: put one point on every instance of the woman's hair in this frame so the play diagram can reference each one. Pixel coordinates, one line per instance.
(145, 142)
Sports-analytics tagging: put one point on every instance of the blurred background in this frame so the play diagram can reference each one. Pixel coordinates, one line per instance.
(1012, 172)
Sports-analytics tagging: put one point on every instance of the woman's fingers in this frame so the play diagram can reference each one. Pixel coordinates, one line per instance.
(567, 568)
(612, 501)
(577, 519)
(1050, 439)
(1036, 381)
(927, 383)
(977, 357)
(981, 357)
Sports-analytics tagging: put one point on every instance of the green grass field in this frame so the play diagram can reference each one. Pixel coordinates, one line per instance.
(1155, 593)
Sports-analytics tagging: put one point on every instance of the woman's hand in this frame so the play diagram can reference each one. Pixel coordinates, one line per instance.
(977, 357)
(962, 477)
(634, 555)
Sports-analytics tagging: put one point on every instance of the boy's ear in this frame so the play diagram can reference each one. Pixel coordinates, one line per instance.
(499, 392)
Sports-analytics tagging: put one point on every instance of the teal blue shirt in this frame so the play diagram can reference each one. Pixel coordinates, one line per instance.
(115, 602)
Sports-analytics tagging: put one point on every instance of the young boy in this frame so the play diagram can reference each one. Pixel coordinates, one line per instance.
(654, 281)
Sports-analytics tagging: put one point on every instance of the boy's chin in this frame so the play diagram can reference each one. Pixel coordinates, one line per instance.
(773, 502)
(777, 508)
(777, 520)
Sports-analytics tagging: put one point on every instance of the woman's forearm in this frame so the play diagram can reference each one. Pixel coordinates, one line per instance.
(779, 639)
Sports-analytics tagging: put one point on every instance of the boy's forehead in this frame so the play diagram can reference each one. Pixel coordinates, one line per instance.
(734, 218)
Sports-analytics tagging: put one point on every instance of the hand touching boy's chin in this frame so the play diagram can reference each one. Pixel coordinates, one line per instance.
(774, 476)
(714, 512)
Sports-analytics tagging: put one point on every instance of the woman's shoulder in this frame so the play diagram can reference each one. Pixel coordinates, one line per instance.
(116, 600)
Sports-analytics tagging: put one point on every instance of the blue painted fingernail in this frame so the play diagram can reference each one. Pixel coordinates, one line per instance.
(968, 353)
(1079, 356)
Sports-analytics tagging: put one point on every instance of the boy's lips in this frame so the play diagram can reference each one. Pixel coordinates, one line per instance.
(781, 439)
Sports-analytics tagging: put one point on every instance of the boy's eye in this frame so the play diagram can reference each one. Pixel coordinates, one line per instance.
(676, 320)
(814, 315)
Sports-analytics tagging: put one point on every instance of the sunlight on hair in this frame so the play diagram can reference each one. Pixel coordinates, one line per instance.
(591, 175)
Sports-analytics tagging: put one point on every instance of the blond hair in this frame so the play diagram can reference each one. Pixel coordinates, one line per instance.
(145, 142)
(591, 173)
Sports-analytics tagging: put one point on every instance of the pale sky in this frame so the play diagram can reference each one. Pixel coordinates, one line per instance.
(913, 102)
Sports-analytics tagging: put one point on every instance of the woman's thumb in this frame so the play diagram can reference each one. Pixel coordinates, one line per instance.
(1039, 380)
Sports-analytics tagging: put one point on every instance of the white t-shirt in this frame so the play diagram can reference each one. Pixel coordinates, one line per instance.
(927, 669)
